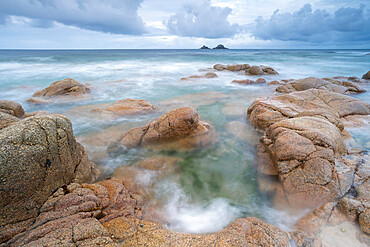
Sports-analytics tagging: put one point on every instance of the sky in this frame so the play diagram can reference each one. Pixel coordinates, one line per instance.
(183, 24)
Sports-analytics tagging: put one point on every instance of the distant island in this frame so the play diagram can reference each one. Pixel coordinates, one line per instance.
(220, 46)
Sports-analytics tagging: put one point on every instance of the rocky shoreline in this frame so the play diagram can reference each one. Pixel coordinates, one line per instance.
(303, 150)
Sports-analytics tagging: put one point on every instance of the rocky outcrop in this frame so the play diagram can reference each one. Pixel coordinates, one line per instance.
(366, 76)
(206, 75)
(304, 143)
(12, 108)
(107, 214)
(220, 46)
(249, 70)
(63, 88)
(204, 47)
(37, 156)
(333, 85)
(313, 102)
(177, 129)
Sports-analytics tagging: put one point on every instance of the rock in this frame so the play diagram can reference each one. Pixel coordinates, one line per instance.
(11, 108)
(255, 70)
(303, 151)
(179, 128)
(207, 75)
(7, 120)
(244, 82)
(220, 46)
(66, 87)
(210, 75)
(366, 76)
(274, 83)
(337, 86)
(242, 131)
(74, 214)
(269, 70)
(38, 101)
(129, 107)
(365, 221)
(260, 81)
(38, 155)
(232, 67)
(204, 47)
(312, 102)
(242, 232)
(36, 113)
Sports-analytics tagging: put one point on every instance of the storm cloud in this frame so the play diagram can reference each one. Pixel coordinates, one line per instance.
(345, 24)
(201, 20)
(110, 16)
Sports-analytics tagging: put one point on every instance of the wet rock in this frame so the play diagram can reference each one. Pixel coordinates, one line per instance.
(38, 155)
(74, 214)
(241, 232)
(208, 75)
(12, 108)
(260, 81)
(244, 82)
(242, 131)
(67, 87)
(179, 128)
(333, 85)
(36, 113)
(232, 67)
(7, 120)
(366, 76)
(38, 101)
(312, 102)
(255, 70)
(128, 107)
(364, 220)
(303, 151)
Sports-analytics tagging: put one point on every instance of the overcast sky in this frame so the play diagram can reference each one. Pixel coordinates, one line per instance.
(184, 23)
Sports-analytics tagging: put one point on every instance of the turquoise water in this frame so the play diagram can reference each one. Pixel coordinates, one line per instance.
(216, 184)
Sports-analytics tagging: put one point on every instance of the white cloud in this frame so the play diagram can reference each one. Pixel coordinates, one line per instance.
(112, 16)
(201, 20)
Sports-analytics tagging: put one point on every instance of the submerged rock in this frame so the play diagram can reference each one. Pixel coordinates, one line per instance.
(333, 85)
(63, 88)
(128, 107)
(38, 155)
(206, 75)
(179, 128)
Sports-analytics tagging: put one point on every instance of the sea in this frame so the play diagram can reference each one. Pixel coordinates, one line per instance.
(216, 184)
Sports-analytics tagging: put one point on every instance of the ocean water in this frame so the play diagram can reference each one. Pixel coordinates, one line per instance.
(215, 185)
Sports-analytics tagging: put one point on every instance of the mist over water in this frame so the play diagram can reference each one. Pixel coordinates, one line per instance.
(215, 185)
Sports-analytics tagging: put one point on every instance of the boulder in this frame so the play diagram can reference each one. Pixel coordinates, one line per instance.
(255, 70)
(337, 86)
(7, 120)
(303, 150)
(324, 104)
(12, 108)
(37, 156)
(366, 76)
(210, 75)
(66, 87)
(179, 128)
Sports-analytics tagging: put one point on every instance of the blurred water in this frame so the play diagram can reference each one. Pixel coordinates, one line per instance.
(216, 184)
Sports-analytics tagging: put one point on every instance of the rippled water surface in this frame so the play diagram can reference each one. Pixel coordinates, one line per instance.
(216, 184)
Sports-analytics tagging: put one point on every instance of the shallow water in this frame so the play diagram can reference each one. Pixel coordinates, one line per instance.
(216, 184)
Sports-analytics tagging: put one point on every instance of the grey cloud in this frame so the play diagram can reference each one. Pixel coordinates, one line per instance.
(111, 16)
(345, 24)
(201, 20)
